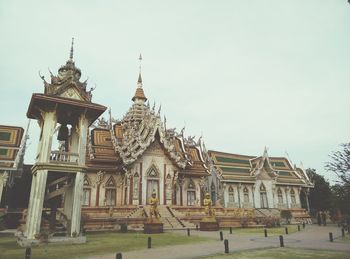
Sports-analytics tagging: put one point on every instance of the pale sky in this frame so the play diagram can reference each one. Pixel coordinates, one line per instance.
(244, 74)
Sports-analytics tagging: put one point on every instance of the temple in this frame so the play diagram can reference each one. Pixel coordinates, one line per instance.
(91, 172)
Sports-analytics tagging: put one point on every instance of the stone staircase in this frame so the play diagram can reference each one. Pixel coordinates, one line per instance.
(268, 213)
(169, 219)
(137, 213)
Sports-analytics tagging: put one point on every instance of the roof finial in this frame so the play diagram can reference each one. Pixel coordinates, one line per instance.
(71, 50)
(140, 77)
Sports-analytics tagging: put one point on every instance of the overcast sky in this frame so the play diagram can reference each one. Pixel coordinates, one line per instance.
(244, 74)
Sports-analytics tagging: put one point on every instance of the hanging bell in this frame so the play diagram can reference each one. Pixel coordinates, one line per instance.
(63, 133)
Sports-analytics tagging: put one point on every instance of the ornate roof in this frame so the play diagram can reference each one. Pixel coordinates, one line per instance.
(67, 83)
(242, 168)
(141, 126)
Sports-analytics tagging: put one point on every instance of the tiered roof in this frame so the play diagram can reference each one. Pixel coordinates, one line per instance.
(121, 143)
(242, 168)
(10, 145)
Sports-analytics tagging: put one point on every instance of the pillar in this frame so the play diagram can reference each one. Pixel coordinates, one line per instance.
(82, 130)
(37, 195)
(3, 180)
(239, 195)
(38, 188)
(77, 200)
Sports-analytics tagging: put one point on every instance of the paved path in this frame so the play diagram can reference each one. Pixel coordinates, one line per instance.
(313, 237)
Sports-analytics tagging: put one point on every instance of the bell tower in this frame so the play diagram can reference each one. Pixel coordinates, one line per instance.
(64, 109)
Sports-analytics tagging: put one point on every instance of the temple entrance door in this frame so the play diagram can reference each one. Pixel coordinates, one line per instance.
(152, 185)
(263, 200)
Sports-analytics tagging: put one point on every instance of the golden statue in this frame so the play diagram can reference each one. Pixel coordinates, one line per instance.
(209, 211)
(153, 201)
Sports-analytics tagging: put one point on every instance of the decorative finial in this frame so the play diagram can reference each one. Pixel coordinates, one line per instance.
(140, 58)
(140, 77)
(71, 50)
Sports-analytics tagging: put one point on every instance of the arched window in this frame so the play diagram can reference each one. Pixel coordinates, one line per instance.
(292, 196)
(231, 196)
(136, 186)
(213, 192)
(279, 195)
(86, 191)
(245, 195)
(191, 193)
(110, 192)
(263, 197)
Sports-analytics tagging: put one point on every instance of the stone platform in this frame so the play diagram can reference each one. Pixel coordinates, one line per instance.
(208, 225)
(153, 228)
(24, 242)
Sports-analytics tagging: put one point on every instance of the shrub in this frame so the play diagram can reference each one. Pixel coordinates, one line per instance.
(287, 215)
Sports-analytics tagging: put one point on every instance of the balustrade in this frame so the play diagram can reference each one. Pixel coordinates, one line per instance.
(64, 157)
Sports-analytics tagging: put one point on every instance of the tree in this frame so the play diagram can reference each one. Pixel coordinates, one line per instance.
(340, 164)
(321, 195)
(341, 198)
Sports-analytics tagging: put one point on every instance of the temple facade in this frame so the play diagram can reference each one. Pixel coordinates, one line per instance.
(94, 171)
(260, 182)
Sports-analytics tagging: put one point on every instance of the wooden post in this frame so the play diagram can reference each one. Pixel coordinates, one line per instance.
(28, 253)
(149, 243)
(281, 241)
(298, 227)
(226, 246)
(188, 232)
(303, 225)
(265, 232)
(197, 227)
(230, 230)
(221, 236)
(119, 256)
(331, 236)
(343, 232)
(286, 229)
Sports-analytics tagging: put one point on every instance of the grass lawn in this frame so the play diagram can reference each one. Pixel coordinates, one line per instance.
(345, 239)
(285, 253)
(270, 231)
(97, 243)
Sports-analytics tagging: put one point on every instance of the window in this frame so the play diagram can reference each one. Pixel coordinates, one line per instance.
(191, 198)
(213, 192)
(86, 196)
(245, 195)
(231, 197)
(292, 196)
(263, 197)
(86, 191)
(191, 194)
(136, 186)
(110, 192)
(279, 195)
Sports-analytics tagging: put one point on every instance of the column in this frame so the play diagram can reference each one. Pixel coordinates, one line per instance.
(3, 180)
(239, 195)
(38, 188)
(287, 191)
(77, 200)
(82, 131)
(37, 194)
